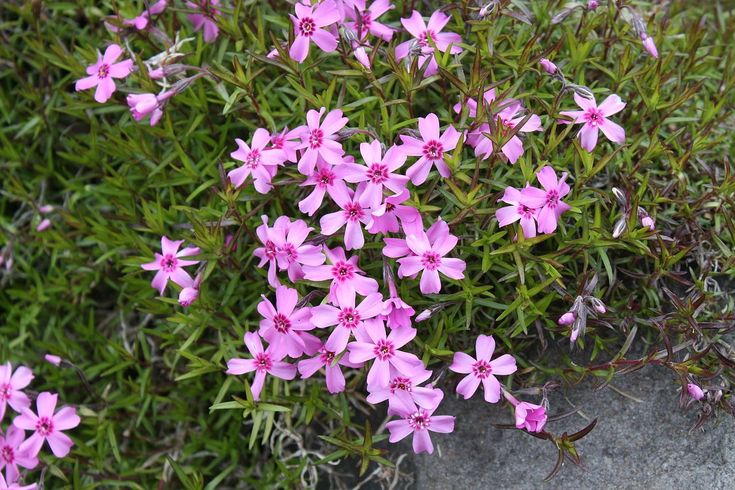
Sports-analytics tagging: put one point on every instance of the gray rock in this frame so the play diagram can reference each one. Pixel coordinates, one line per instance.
(635, 445)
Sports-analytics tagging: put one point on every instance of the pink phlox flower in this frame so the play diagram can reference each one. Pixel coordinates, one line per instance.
(482, 369)
(101, 74)
(320, 139)
(292, 253)
(378, 172)
(170, 263)
(549, 200)
(429, 256)
(594, 118)
(10, 455)
(507, 120)
(190, 294)
(385, 217)
(520, 209)
(364, 19)
(488, 97)
(347, 278)
(268, 253)
(11, 386)
(47, 426)
(281, 323)
(402, 392)
(397, 313)
(419, 421)
(141, 21)
(346, 318)
(325, 180)
(259, 161)
(353, 216)
(4, 485)
(431, 149)
(396, 248)
(263, 362)
(206, 19)
(144, 105)
(528, 416)
(384, 351)
(308, 25)
(326, 359)
(423, 33)
(288, 141)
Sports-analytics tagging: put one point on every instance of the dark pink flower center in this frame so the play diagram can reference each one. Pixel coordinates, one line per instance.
(342, 271)
(5, 391)
(349, 318)
(263, 362)
(482, 369)
(278, 142)
(270, 250)
(290, 252)
(103, 71)
(325, 178)
(384, 349)
(7, 455)
(168, 263)
(506, 121)
(354, 212)
(424, 38)
(433, 150)
(366, 20)
(327, 357)
(316, 138)
(307, 26)
(377, 173)
(44, 426)
(253, 159)
(594, 116)
(400, 383)
(390, 207)
(431, 260)
(419, 420)
(281, 323)
(552, 198)
(525, 211)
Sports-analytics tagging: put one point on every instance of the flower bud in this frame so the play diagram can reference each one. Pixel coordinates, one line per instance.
(695, 391)
(188, 296)
(548, 66)
(530, 417)
(650, 46)
(52, 359)
(567, 318)
(598, 305)
(592, 4)
(45, 209)
(43, 225)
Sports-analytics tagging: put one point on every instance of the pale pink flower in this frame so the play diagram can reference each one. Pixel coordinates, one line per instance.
(52, 359)
(549, 200)
(430, 148)
(206, 19)
(47, 426)
(141, 21)
(325, 359)
(347, 278)
(592, 4)
(695, 391)
(320, 139)
(144, 105)
(397, 313)
(259, 161)
(347, 318)
(385, 352)
(429, 257)
(268, 253)
(385, 217)
(280, 324)
(190, 294)
(567, 318)
(378, 172)
(288, 141)
(44, 225)
(351, 215)
(292, 253)
(10, 455)
(308, 25)
(14, 486)
(594, 118)
(101, 74)
(422, 33)
(519, 210)
(11, 386)
(170, 263)
(528, 416)
(404, 392)
(649, 45)
(548, 66)
(482, 369)
(263, 362)
(419, 421)
(325, 180)
(364, 19)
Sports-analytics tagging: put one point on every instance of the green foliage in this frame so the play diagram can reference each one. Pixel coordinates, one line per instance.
(157, 409)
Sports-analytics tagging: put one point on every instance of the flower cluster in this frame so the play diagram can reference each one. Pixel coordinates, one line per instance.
(19, 451)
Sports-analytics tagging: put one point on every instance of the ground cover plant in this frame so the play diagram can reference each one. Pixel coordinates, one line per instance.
(256, 243)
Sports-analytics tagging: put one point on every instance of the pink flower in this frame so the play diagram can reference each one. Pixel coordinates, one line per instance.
(482, 370)
(384, 350)
(52, 359)
(649, 45)
(169, 265)
(288, 142)
(488, 97)
(308, 23)
(422, 33)
(429, 257)
(419, 421)
(141, 22)
(384, 217)
(695, 391)
(519, 210)
(351, 215)
(143, 105)
(280, 324)
(548, 66)
(47, 426)
(206, 19)
(11, 457)
(567, 318)
(593, 118)
(102, 73)
(430, 148)
(593, 4)
(11, 384)
(263, 362)
(397, 313)
(549, 200)
(365, 19)
(320, 140)
(403, 392)
(291, 253)
(190, 294)
(268, 253)
(44, 225)
(258, 161)
(347, 319)
(378, 172)
(325, 359)
(14, 486)
(325, 181)
(528, 415)
(347, 279)
(397, 247)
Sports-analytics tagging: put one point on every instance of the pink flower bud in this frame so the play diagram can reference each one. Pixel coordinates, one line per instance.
(650, 46)
(362, 57)
(141, 105)
(46, 209)
(695, 391)
(424, 315)
(52, 359)
(592, 4)
(272, 54)
(598, 305)
(188, 296)
(548, 66)
(529, 416)
(156, 74)
(43, 225)
(649, 223)
(567, 318)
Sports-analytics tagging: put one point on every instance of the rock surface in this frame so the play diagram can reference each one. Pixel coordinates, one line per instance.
(635, 445)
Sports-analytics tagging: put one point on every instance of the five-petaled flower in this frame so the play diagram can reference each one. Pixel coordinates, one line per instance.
(281, 324)
(11, 457)
(263, 362)
(594, 118)
(549, 200)
(170, 263)
(347, 319)
(347, 278)
(260, 161)
(47, 426)
(430, 149)
(327, 359)
(429, 256)
(101, 74)
(419, 421)
(309, 23)
(352, 215)
(482, 369)
(11, 386)
(378, 172)
(206, 18)
(319, 139)
(426, 37)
